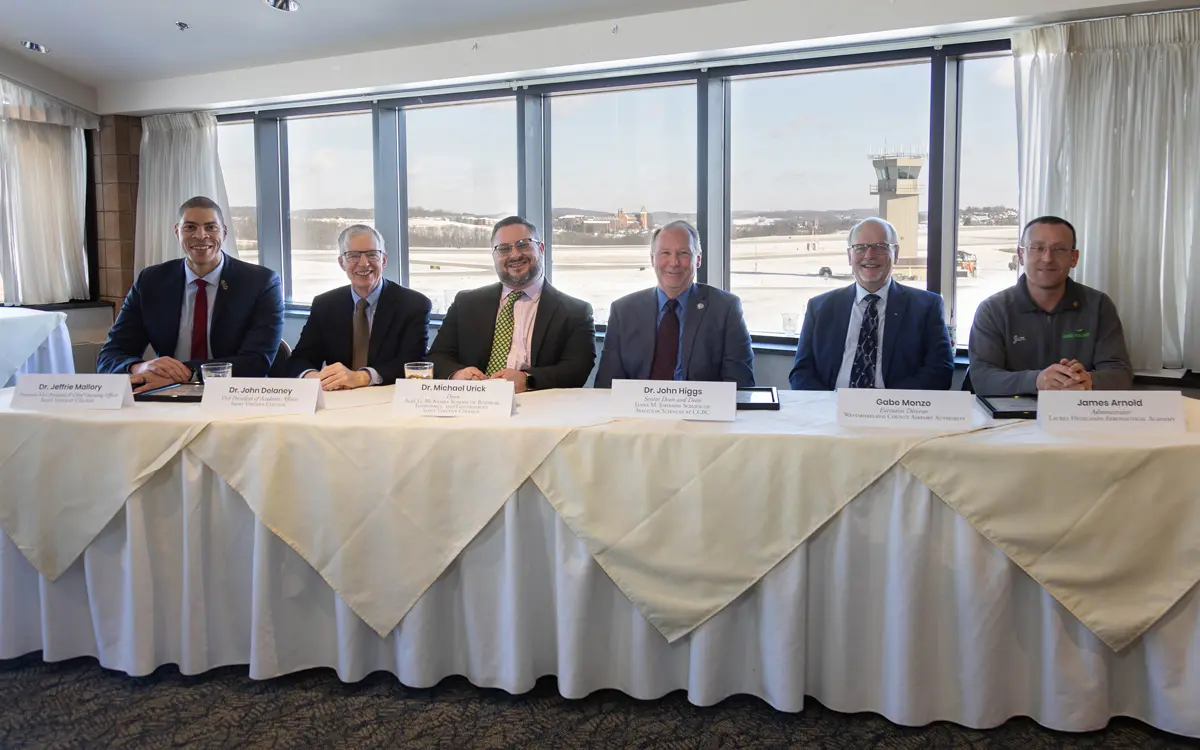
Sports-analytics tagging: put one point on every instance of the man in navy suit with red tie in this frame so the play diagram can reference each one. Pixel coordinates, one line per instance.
(680, 330)
(205, 307)
(875, 333)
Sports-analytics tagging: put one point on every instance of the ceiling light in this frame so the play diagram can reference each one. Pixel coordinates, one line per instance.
(34, 46)
(287, 5)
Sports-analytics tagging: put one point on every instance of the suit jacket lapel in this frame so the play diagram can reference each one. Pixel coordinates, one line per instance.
(385, 315)
(644, 337)
(490, 300)
(548, 306)
(697, 307)
(843, 305)
(220, 311)
(896, 305)
(174, 312)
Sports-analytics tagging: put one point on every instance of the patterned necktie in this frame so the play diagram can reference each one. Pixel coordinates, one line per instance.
(666, 346)
(362, 337)
(502, 338)
(862, 373)
(200, 322)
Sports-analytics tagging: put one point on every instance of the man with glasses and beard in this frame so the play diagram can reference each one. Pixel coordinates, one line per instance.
(364, 333)
(875, 333)
(1048, 332)
(521, 329)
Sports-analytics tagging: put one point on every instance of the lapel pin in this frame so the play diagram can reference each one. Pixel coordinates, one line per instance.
(224, 285)
(1076, 303)
(699, 305)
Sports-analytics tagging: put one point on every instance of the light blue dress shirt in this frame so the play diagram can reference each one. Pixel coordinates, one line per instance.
(682, 313)
(852, 331)
(183, 347)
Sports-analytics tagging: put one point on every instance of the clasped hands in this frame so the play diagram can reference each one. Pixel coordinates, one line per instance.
(158, 372)
(517, 377)
(1065, 376)
(338, 377)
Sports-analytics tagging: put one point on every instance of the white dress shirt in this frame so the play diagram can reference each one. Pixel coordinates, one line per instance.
(524, 315)
(852, 331)
(183, 347)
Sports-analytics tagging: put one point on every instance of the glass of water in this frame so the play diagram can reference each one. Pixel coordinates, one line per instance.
(418, 371)
(215, 370)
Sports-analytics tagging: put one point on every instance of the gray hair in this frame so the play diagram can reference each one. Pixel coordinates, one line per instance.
(355, 230)
(693, 235)
(889, 231)
(509, 221)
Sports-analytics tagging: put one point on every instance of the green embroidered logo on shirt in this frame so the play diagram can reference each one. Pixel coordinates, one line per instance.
(1077, 334)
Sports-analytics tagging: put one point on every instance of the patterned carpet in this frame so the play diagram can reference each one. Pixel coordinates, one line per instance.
(76, 704)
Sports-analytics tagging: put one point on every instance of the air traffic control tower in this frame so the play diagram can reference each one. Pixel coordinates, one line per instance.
(900, 199)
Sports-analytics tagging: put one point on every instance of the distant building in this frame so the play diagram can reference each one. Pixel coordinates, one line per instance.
(619, 223)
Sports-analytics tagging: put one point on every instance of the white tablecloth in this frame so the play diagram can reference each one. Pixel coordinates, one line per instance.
(897, 606)
(33, 341)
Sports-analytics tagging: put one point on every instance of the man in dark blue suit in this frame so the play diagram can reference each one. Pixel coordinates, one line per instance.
(364, 333)
(680, 330)
(875, 333)
(205, 307)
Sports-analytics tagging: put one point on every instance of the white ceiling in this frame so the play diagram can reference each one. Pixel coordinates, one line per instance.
(118, 41)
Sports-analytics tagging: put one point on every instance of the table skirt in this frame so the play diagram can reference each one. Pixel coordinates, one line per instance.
(897, 606)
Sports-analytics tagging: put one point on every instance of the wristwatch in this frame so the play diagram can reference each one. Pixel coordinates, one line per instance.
(530, 383)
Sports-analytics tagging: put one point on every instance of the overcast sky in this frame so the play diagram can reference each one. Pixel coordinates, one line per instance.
(799, 142)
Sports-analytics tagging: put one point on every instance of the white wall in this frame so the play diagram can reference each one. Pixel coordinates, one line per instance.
(22, 69)
(752, 25)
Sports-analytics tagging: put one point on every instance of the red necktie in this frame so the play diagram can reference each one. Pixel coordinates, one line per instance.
(200, 322)
(666, 345)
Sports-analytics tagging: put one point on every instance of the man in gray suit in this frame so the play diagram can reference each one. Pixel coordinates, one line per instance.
(679, 330)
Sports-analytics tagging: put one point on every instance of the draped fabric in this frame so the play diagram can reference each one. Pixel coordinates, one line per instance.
(1109, 138)
(43, 184)
(19, 102)
(178, 161)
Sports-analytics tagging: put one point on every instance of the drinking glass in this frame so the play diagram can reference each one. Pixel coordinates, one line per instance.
(418, 371)
(791, 323)
(215, 370)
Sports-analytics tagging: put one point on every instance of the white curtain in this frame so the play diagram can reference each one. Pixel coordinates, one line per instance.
(178, 161)
(1109, 138)
(43, 193)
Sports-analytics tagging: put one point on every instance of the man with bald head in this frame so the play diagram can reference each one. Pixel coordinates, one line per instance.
(874, 333)
(681, 329)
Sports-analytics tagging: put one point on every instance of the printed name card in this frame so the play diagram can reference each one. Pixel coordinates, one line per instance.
(921, 410)
(454, 398)
(41, 392)
(1111, 411)
(671, 399)
(262, 396)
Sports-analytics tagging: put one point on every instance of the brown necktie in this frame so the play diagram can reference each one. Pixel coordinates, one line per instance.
(362, 337)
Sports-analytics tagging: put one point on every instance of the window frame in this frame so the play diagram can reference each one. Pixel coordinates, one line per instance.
(534, 127)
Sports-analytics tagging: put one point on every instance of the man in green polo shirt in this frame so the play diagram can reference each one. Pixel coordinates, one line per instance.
(1048, 332)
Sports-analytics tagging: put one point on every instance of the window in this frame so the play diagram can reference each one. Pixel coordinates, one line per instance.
(462, 179)
(622, 163)
(331, 186)
(987, 187)
(235, 149)
(811, 154)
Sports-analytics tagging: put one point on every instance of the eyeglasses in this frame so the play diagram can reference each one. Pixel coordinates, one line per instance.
(522, 246)
(1041, 248)
(878, 247)
(354, 255)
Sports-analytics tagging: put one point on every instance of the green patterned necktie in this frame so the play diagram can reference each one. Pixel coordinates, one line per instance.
(502, 338)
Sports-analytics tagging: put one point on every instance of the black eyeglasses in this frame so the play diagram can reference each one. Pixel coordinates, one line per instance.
(879, 248)
(354, 255)
(507, 249)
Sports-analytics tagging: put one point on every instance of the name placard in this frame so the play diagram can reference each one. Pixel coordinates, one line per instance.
(41, 392)
(899, 409)
(672, 399)
(1111, 411)
(261, 396)
(454, 398)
